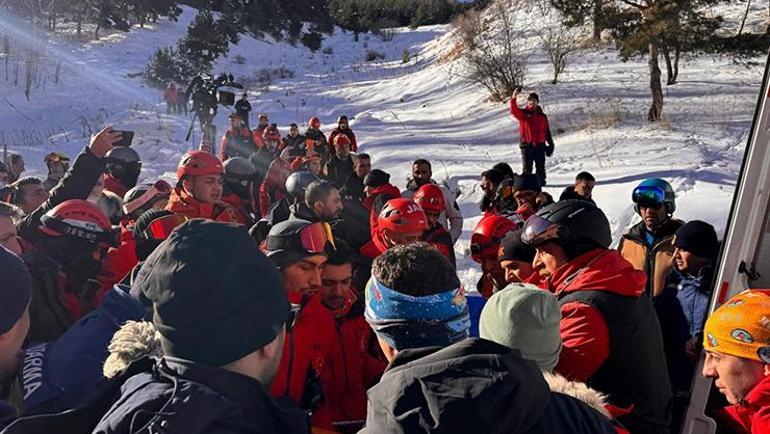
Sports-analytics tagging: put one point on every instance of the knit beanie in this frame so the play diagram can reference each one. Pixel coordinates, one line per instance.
(15, 291)
(376, 178)
(526, 182)
(698, 238)
(513, 249)
(216, 298)
(741, 327)
(526, 318)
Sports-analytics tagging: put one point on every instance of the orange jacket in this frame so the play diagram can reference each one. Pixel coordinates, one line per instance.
(180, 202)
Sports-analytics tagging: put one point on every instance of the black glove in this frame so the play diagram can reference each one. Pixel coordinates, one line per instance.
(549, 150)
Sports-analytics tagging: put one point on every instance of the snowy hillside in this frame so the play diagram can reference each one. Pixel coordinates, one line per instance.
(401, 112)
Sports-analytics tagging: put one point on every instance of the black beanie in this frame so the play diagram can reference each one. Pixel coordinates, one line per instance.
(16, 290)
(216, 298)
(527, 182)
(376, 178)
(698, 238)
(285, 234)
(513, 249)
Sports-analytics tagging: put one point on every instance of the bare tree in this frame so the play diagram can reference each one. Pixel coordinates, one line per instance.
(560, 41)
(491, 51)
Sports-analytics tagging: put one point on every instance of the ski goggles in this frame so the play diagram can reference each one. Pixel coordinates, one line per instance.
(158, 189)
(312, 239)
(538, 230)
(161, 228)
(648, 195)
(84, 230)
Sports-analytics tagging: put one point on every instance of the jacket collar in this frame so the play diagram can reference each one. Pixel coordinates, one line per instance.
(597, 270)
(667, 230)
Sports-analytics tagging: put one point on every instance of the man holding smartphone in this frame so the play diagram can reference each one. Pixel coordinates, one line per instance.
(534, 132)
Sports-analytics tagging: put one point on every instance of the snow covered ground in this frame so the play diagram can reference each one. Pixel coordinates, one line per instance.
(401, 112)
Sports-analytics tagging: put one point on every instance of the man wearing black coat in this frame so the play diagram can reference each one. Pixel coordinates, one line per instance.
(216, 368)
(440, 381)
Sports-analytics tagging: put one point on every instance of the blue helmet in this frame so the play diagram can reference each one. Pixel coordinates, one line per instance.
(654, 191)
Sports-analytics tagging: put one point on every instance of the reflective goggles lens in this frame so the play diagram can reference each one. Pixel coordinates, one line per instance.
(160, 228)
(538, 230)
(478, 248)
(158, 189)
(648, 195)
(315, 237)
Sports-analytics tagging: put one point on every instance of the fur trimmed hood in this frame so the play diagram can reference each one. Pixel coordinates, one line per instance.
(580, 391)
(134, 340)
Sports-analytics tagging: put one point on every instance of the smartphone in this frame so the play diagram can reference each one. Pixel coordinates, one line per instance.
(126, 137)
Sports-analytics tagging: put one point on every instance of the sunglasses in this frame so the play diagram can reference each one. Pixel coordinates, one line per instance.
(159, 188)
(161, 228)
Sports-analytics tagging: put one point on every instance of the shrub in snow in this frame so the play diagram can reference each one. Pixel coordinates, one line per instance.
(372, 55)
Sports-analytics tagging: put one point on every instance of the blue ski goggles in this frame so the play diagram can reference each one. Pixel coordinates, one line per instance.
(648, 195)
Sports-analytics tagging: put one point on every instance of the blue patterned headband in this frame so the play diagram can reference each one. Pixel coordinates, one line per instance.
(407, 321)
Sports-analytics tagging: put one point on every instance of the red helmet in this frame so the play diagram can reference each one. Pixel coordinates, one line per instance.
(199, 163)
(430, 198)
(315, 122)
(488, 234)
(342, 139)
(81, 219)
(402, 216)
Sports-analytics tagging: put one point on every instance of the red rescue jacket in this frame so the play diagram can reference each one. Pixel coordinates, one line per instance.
(584, 331)
(533, 123)
(273, 188)
(240, 208)
(440, 238)
(119, 260)
(311, 363)
(752, 415)
(180, 202)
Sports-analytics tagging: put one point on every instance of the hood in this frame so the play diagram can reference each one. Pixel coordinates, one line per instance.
(466, 387)
(597, 270)
(386, 189)
(580, 391)
(134, 340)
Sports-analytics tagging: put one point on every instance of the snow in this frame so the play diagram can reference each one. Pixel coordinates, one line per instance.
(421, 109)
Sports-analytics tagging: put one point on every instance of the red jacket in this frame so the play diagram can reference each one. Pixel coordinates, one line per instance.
(180, 202)
(363, 360)
(273, 188)
(241, 209)
(440, 238)
(114, 185)
(119, 260)
(584, 332)
(533, 123)
(376, 199)
(311, 356)
(752, 415)
(170, 95)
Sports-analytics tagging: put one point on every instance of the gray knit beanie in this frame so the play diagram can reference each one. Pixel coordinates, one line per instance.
(526, 318)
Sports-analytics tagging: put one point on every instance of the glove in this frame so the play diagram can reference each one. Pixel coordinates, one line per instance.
(549, 150)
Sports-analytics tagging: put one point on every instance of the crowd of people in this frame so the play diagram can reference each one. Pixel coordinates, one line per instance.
(285, 284)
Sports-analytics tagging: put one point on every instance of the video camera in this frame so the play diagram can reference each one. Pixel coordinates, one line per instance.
(207, 95)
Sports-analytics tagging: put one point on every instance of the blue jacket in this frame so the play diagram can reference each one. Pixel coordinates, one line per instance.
(57, 375)
(682, 309)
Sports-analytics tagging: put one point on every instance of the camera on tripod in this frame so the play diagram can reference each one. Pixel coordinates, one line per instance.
(207, 94)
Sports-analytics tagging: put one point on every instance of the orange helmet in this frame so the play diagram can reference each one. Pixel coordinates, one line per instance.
(402, 216)
(315, 122)
(430, 198)
(81, 219)
(342, 139)
(199, 163)
(488, 235)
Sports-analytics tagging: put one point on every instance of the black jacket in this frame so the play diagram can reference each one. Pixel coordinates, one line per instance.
(353, 188)
(173, 396)
(473, 386)
(298, 145)
(338, 171)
